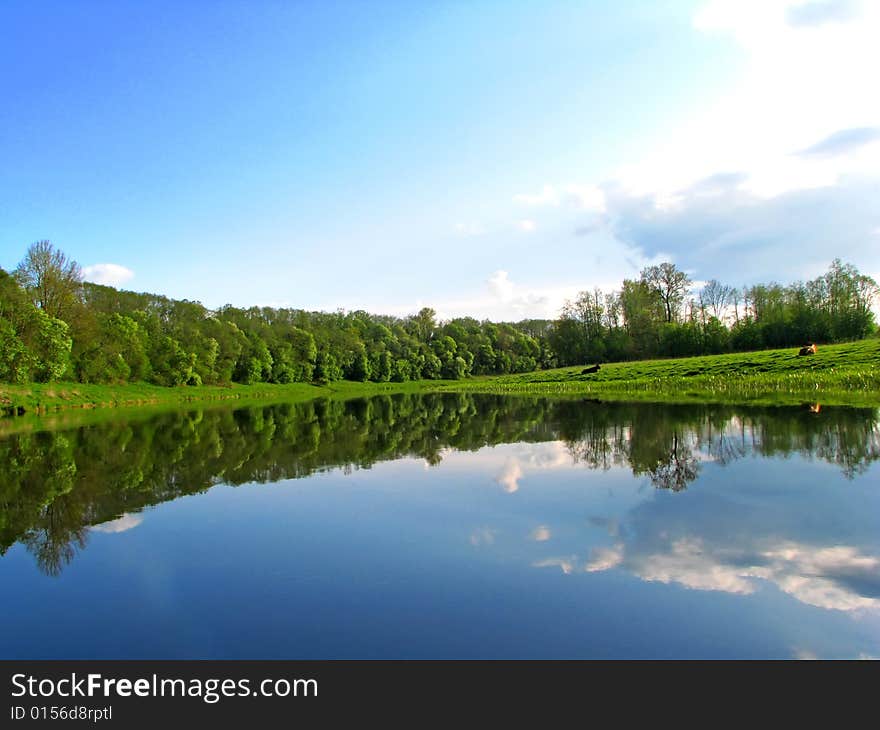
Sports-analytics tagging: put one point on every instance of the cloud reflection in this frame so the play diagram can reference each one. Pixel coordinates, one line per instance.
(542, 533)
(604, 559)
(528, 458)
(566, 564)
(510, 476)
(835, 577)
(121, 524)
(483, 536)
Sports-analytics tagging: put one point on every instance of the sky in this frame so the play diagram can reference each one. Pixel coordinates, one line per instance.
(482, 158)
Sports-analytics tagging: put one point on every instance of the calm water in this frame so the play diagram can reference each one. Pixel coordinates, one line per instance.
(445, 526)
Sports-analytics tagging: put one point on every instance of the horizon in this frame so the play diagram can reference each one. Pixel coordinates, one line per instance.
(488, 161)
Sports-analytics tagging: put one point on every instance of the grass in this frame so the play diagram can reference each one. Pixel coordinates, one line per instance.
(44, 398)
(846, 374)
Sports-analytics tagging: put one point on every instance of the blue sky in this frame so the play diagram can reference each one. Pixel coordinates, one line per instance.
(484, 158)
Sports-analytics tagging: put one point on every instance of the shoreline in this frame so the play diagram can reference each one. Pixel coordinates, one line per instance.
(846, 375)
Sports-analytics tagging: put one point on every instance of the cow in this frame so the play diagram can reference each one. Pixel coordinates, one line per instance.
(587, 371)
(809, 349)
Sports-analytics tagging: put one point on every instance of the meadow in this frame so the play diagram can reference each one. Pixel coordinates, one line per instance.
(842, 374)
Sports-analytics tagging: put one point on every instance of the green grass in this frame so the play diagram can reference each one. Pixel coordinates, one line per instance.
(44, 397)
(50, 397)
(847, 374)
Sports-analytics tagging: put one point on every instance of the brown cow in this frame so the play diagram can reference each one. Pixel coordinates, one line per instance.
(808, 349)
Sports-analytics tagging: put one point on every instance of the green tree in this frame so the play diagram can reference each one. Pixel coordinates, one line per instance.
(52, 348)
(16, 361)
(51, 278)
(670, 284)
(402, 371)
(327, 368)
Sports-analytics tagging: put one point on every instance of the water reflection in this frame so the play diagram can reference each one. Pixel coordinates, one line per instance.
(55, 486)
(721, 555)
(838, 577)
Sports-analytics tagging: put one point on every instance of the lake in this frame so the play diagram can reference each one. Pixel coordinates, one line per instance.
(444, 526)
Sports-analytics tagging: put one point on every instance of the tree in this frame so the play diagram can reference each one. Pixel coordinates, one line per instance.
(849, 297)
(120, 336)
(423, 324)
(33, 345)
(735, 298)
(717, 296)
(51, 278)
(16, 325)
(642, 311)
(15, 358)
(51, 347)
(587, 312)
(670, 284)
(326, 368)
(359, 369)
(402, 371)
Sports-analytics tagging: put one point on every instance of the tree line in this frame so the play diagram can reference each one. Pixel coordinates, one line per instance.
(660, 314)
(55, 326)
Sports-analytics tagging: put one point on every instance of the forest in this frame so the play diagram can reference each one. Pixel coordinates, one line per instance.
(54, 326)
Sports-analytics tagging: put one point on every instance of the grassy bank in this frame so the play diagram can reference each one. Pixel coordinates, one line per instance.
(847, 374)
(43, 398)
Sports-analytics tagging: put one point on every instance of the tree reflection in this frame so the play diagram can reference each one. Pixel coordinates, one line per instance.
(677, 469)
(54, 485)
(55, 540)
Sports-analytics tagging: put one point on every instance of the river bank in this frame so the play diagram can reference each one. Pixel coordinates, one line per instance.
(845, 374)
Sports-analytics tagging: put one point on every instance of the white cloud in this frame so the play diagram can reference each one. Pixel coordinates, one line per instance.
(785, 158)
(121, 524)
(734, 235)
(799, 85)
(789, 154)
(500, 285)
(843, 142)
(502, 300)
(517, 301)
(593, 258)
(107, 274)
